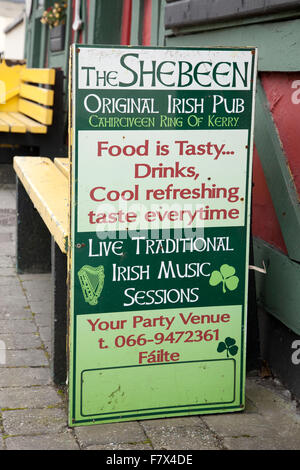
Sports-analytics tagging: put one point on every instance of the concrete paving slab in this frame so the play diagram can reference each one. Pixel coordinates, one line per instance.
(24, 376)
(28, 357)
(9, 280)
(264, 443)
(8, 218)
(29, 397)
(48, 346)
(271, 398)
(41, 307)
(272, 424)
(21, 340)
(10, 293)
(7, 261)
(61, 441)
(238, 424)
(180, 434)
(8, 271)
(17, 326)
(115, 433)
(36, 291)
(42, 320)
(15, 313)
(33, 422)
(7, 247)
(45, 333)
(127, 447)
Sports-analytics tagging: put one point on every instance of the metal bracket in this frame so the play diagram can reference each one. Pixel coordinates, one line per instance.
(260, 270)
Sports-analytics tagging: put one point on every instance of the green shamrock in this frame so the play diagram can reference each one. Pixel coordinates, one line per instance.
(226, 276)
(228, 345)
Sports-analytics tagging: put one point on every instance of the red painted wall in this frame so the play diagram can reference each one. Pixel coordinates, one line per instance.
(146, 37)
(126, 22)
(282, 97)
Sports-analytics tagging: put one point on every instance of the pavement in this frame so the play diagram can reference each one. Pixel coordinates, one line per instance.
(33, 411)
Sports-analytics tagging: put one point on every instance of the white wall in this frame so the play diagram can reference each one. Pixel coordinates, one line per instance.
(4, 21)
(14, 43)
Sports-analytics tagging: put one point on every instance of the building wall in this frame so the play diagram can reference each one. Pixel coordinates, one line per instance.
(14, 42)
(273, 27)
(4, 21)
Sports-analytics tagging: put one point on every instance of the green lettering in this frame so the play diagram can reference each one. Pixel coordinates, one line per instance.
(184, 73)
(216, 73)
(196, 73)
(236, 72)
(125, 66)
(160, 72)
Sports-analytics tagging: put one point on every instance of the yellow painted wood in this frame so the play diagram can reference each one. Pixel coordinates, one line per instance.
(11, 93)
(37, 112)
(31, 126)
(10, 81)
(44, 76)
(38, 94)
(63, 165)
(48, 189)
(10, 105)
(14, 124)
(4, 127)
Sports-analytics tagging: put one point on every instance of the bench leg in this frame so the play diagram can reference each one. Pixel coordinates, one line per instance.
(59, 315)
(33, 240)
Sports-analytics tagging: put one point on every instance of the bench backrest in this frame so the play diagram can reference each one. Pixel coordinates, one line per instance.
(10, 86)
(36, 97)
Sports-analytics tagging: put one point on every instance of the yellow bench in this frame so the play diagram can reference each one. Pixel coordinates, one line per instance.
(47, 185)
(42, 238)
(31, 109)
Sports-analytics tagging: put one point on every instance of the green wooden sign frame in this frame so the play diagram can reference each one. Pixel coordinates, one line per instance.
(161, 153)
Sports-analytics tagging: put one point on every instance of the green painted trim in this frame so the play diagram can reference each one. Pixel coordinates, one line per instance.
(36, 37)
(43, 46)
(157, 23)
(136, 17)
(85, 24)
(277, 42)
(278, 291)
(155, 14)
(161, 27)
(60, 59)
(36, 53)
(277, 174)
(91, 27)
(233, 23)
(105, 20)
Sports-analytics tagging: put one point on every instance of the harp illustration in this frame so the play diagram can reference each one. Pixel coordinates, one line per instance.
(91, 281)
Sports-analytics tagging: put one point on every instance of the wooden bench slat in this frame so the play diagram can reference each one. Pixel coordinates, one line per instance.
(13, 123)
(31, 125)
(11, 93)
(63, 164)
(37, 112)
(38, 94)
(48, 189)
(44, 76)
(31, 99)
(4, 127)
